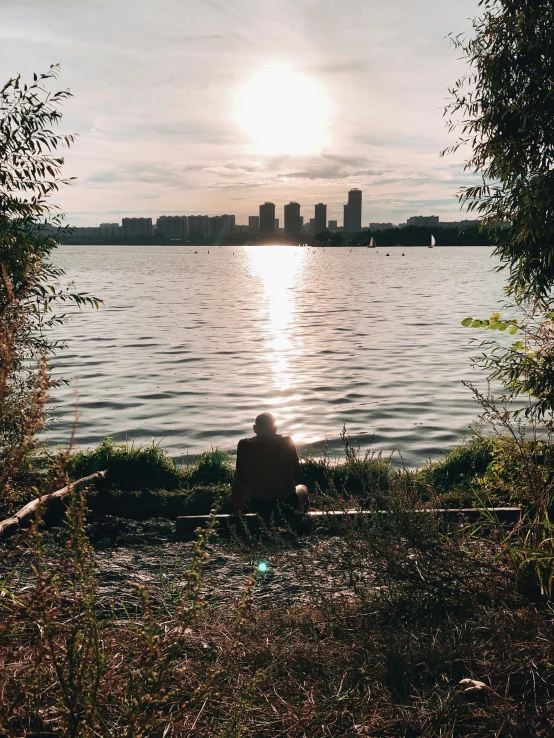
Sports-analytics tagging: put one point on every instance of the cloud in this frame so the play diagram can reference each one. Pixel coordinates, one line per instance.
(156, 84)
(145, 173)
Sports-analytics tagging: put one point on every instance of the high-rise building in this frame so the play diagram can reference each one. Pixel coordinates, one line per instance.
(320, 220)
(136, 227)
(109, 230)
(380, 226)
(83, 233)
(198, 225)
(254, 224)
(293, 225)
(221, 226)
(333, 225)
(267, 219)
(172, 226)
(423, 220)
(353, 211)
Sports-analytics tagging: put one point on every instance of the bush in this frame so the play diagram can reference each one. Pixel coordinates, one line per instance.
(211, 468)
(461, 470)
(130, 467)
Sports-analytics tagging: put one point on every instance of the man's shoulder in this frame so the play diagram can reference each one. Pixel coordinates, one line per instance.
(245, 442)
(262, 441)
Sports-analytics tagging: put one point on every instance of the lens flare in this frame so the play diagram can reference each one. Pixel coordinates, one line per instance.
(262, 567)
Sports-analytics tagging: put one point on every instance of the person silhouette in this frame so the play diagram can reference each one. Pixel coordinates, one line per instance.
(268, 472)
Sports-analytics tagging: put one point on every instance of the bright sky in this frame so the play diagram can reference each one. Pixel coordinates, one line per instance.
(211, 106)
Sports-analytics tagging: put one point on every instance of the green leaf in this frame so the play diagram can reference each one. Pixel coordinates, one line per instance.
(513, 330)
(476, 324)
(467, 322)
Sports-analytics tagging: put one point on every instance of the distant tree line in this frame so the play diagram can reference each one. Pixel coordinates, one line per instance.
(406, 236)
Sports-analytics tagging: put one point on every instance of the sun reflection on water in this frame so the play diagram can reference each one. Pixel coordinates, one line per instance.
(280, 270)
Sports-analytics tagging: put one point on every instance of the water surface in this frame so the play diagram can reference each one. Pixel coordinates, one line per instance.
(192, 343)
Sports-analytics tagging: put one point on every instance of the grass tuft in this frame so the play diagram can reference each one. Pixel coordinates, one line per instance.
(130, 467)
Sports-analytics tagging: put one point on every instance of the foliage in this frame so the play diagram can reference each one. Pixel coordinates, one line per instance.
(30, 168)
(212, 467)
(523, 471)
(30, 228)
(459, 472)
(130, 467)
(526, 367)
(505, 109)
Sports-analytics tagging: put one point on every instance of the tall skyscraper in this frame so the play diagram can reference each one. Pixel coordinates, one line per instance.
(292, 220)
(254, 224)
(353, 211)
(320, 220)
(267, 219)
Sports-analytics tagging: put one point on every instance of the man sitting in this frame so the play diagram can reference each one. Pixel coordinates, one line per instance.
(267, 472)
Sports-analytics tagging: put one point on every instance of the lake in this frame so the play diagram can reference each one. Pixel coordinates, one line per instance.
(193, 342)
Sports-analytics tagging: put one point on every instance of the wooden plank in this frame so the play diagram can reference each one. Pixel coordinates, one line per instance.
(504, 515)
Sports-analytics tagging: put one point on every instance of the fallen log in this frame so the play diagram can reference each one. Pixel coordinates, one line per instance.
(23, 516)
(187, 524)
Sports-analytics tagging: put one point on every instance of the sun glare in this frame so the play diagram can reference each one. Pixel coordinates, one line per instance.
(280, 270)
(283, 112)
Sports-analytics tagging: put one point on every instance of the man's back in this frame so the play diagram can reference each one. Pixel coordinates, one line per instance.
(268, 466)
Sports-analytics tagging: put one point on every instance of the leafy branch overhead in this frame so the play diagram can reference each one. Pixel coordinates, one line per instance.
(30, 226)
(526, 367)
(503, 111)
(494, 323)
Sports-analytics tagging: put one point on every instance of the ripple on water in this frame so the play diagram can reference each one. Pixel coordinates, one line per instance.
(198, 346)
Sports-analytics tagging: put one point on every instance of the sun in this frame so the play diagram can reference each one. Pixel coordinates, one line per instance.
(283, 112)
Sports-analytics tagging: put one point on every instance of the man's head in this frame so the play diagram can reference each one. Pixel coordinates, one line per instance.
(265, 425)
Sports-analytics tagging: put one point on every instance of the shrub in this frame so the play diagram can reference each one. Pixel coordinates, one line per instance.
(130, 467)
(459, 472)
(211, 468)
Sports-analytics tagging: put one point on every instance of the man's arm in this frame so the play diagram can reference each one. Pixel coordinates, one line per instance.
(239, 490)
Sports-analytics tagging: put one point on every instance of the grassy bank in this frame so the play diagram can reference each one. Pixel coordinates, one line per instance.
(145, 482)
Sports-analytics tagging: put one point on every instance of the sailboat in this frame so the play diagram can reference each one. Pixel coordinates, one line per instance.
(372, 243)
(432, 242)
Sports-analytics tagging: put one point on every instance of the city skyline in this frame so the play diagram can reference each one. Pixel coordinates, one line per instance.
(266, 223)
(171, 105)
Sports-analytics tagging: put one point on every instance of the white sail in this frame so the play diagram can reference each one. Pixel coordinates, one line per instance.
(432, 240)
(372, 243)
